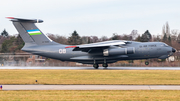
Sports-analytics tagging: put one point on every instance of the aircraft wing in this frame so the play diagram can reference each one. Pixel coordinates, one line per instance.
(96, 46)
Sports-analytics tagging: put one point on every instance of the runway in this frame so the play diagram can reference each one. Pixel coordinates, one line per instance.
(90, 87)
(91, 68)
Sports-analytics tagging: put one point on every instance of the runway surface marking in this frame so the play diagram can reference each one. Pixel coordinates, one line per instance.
(91, 68)
(90, 87)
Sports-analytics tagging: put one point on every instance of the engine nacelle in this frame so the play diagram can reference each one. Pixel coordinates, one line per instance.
(118, 51)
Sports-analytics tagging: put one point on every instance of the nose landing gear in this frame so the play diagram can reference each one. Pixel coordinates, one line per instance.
(146, 62)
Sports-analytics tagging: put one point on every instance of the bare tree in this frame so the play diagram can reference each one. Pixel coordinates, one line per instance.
(85, 39)
(94, 39)
(134, 34)
(157, 38)
(178, 38)
(58, 38)
(174, 34)
(163, 30)
(115, 37)
(104, 38)
(167, 29)
(127, 37)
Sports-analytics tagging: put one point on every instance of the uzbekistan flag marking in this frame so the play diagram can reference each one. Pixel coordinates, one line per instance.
(34, 32)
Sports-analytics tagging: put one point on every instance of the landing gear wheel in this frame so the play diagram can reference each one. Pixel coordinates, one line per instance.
(146, 62)
(96, 66)
(105, 65)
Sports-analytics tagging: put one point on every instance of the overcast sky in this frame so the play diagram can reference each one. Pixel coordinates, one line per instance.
(93, 17)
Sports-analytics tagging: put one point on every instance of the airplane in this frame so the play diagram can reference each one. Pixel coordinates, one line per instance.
(36, 42)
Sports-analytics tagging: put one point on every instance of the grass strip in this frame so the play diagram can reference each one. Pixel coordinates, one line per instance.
(131, 77)
(140, 95)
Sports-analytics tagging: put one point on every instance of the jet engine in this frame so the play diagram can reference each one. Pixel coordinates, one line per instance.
(118, 51)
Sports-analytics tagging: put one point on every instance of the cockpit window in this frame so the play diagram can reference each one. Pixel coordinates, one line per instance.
(128, 42)
(165, 45)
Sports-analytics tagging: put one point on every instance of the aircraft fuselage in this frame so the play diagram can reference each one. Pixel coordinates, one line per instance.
(145, 50)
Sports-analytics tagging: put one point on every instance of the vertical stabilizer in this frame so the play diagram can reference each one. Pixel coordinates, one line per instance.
(29, 32)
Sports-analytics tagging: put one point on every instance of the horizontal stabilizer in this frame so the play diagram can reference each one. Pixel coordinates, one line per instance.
(25, 20)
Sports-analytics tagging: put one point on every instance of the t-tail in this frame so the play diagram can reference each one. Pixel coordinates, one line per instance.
(31, 34)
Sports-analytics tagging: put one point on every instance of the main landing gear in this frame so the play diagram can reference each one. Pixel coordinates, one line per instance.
(105, 65)
(96, 66)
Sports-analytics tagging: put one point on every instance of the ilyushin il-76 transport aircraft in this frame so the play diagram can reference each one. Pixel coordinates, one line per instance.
(95, 53)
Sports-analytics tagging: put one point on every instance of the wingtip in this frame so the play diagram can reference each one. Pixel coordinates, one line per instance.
(10, 17)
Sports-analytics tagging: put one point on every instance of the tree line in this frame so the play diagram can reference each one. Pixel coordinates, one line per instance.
(10, 44)
(14, 43)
